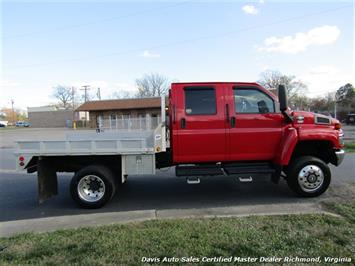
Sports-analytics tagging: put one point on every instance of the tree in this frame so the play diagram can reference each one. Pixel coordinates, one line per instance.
(152, 85)
(271, 79)
(318, 105)
(301, 102)
(345, 96)
(8, 115)
(122, 94)
(64, 95)
(323, 104)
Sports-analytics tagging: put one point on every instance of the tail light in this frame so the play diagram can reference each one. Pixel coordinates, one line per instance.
(21, 159)
(337, 126)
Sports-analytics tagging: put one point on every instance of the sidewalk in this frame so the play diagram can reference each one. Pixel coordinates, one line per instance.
(38, 225)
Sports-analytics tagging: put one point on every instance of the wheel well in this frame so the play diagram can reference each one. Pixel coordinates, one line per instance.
(320, 149)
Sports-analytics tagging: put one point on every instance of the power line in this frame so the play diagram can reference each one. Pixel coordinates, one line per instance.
(73, 97)
(86, 88)
(68, 27)
(13, 110)
(250, 28)
(98, 94)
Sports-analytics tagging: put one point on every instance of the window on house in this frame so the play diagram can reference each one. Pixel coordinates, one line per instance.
(113, 121)
(99, 121)
(154, 120)
(142, 121)
(126, 121)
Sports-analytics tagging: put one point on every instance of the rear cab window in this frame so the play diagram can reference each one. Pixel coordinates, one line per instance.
(252, 101)
(200, 101)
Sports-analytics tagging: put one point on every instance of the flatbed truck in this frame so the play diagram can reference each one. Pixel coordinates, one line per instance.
(236, 129)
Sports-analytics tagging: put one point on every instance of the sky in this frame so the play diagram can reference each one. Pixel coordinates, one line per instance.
(108, 44)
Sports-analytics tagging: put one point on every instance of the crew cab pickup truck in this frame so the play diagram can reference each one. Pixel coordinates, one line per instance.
(233, 129)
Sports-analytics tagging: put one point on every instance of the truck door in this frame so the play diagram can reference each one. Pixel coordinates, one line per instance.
(199, 124)
(255, 123)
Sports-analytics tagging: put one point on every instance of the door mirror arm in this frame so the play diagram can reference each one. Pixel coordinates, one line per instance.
(288, 117)
(283, 103)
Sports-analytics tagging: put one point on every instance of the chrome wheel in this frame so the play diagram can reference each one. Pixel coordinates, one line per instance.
(310, 178)
(91, 188)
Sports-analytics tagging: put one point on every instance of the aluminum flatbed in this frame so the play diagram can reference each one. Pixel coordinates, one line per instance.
(132, 151)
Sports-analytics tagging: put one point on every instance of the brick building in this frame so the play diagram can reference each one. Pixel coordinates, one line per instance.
(49, 116)
(140, 113)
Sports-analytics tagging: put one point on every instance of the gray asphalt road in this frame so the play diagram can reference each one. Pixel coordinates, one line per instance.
(7, 159)
(163, 191)
(18, 195)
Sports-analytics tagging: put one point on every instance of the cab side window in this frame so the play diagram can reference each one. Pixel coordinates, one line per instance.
(200, 101)
(252, 101)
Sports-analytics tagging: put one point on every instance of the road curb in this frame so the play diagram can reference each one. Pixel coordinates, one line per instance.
(40, 225)
(245, 211)
(47, 224)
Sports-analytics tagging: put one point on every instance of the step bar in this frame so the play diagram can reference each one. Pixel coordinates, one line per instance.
(225, 169)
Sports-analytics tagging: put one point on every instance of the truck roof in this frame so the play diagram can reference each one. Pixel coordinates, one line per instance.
(219, 82)
(271, 93)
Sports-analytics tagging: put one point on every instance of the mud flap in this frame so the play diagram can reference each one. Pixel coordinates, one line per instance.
(275, 177)
(47, 180)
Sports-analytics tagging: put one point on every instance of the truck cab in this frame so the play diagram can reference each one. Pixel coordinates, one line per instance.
(224, 122)
(242, 129)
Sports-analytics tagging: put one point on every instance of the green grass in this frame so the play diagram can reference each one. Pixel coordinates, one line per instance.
(350, 146)
(293, 235)
(347, 210)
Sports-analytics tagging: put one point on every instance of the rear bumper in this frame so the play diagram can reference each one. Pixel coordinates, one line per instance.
(340, 154)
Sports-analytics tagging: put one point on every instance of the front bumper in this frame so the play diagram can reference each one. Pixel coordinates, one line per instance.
(340, 154)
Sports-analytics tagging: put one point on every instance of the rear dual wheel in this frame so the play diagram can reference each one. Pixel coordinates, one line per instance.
(92, 186)
(308, 176)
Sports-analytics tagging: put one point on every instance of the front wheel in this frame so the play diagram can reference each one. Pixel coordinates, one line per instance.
(308, 176)
(92, 186)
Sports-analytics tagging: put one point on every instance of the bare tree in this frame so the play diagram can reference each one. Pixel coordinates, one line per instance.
(152, 85)
(64, 95)
(271, 79)
(122, 94)
(301, 102)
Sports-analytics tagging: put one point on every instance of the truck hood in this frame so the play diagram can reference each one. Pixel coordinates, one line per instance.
(303, 117)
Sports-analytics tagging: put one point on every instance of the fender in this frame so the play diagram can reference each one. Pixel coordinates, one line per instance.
(324, 134)
(287, 145)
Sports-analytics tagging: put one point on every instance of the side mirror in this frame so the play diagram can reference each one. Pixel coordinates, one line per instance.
(283, 103)
(282, 98)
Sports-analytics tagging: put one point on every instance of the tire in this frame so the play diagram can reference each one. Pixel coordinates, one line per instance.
(308, 176)
(92, 186)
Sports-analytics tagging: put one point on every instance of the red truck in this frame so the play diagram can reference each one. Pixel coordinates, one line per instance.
(213, 128)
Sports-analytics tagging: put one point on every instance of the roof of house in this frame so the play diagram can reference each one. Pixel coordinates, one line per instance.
(121, 104)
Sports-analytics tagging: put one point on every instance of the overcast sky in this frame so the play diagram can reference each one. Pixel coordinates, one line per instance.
(108, 44)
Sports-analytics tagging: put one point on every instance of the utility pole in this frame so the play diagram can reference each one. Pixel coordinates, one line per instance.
(73, 103)
(86, 88)
(98, 94)
(72, 96)
(13, 111)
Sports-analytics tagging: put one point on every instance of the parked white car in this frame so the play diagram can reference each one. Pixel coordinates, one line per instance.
(3, 123)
